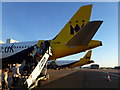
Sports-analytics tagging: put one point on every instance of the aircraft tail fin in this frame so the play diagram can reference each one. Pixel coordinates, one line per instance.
(80, 18)
(83, 61)
(87, 56)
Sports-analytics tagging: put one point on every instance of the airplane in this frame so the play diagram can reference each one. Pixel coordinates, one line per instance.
(75, 37)
(83, 61)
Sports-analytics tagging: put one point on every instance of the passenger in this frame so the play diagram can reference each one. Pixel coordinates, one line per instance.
(37, 56)
(28, 63)
(10, 79)
(29, 59)
(15, 74)
(32, 68)
(5, 79)
(21, 67)
(36, 60)
(42, 48)
(47, 44)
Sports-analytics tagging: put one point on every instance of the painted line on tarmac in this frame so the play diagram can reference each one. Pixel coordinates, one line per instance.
(109, 73)
(115, 75)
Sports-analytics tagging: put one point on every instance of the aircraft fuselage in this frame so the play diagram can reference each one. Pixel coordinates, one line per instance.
(17, 52)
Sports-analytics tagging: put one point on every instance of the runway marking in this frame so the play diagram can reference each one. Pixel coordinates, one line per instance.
(108, 72)
(115, 75)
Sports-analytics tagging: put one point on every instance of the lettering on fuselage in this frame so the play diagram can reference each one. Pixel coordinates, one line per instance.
(42, 62)
(9, 49)
(12, 48)
(55, 42)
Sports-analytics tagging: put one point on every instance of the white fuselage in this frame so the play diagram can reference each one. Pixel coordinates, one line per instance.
(9, 49)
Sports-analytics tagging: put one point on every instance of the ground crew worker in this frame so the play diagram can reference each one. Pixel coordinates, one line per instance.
(5, 79)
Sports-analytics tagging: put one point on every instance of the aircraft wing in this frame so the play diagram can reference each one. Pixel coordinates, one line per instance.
(84, 36)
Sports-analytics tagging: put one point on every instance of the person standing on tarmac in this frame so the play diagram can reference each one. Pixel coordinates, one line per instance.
(5, 79)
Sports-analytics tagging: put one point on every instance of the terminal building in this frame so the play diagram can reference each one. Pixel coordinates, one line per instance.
(11, 41)
(1, 42)
(117, 67)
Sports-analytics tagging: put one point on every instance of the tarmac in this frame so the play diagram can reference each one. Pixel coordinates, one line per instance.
(82, 78)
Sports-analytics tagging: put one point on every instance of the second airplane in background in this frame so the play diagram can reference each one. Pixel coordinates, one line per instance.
(83, 61)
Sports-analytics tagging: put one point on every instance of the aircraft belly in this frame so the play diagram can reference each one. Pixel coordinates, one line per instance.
(18, 57)
(60, 51)
(65, 51)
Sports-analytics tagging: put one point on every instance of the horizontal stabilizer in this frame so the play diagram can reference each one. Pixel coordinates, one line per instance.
(84, 36)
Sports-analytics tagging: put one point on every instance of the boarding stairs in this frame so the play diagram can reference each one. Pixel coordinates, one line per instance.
(38, 69)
